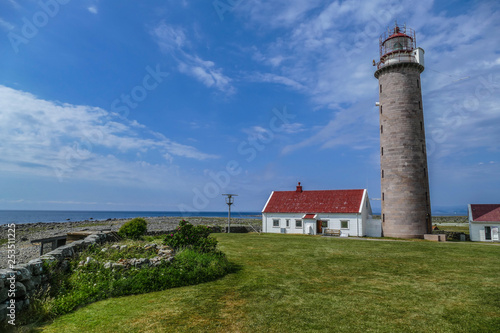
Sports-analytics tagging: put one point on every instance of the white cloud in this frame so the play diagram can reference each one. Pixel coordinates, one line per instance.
(173, 41)
(5, 24)
(169, 38)
(273, 78)
(46, 138)
(205, 72)
(93, 9)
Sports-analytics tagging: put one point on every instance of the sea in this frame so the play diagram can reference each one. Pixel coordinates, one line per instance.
(35, 216)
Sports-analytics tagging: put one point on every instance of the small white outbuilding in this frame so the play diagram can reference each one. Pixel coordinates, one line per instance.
(347, 212)
(484, 222)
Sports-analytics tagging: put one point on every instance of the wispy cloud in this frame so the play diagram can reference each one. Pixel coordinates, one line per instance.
(274, 78)
(6, 25)
(173, 41)
(93, 9)
(45, 138)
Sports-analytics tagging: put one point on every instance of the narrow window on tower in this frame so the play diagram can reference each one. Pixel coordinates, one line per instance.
(425, 172)
(418, 83)
(381, 129)
(426, 196)
(423, 149)
(382, 151)
(383, 217)
(382, 173)
(380, 88)
(381, 109)
(419, 105)
(383, 196)
(421, 126)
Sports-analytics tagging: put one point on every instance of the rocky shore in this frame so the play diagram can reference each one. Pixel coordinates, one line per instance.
(25, 233)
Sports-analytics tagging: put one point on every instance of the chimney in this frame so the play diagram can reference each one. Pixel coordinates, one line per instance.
(299, 188)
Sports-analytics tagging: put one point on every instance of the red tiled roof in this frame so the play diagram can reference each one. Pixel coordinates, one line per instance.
(327, 201)
(485, 212)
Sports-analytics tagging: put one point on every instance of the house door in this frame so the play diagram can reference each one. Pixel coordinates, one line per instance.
(319, 227)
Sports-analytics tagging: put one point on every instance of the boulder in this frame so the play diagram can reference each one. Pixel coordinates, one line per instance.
(20, 290)
(25, 273)
(36, 266)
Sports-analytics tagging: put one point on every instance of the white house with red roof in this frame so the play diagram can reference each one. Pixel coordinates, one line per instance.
(347, 212)
(484, 222)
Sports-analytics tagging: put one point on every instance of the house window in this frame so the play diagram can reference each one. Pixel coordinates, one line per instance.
(276, 223)
(344, 224)
(298, 223)
(324, 224)
(288, 223)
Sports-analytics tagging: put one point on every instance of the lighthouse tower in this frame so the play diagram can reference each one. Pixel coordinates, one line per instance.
(406, 211)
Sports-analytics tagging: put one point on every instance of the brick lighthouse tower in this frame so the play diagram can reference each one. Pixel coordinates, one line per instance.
(406, 211)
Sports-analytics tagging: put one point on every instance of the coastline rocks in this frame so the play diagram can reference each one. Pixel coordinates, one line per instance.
(164, 254)
(25, 233)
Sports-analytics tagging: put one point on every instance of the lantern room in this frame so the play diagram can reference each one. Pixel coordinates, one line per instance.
(398, 45)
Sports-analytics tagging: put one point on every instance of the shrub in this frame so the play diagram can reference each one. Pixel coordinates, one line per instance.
(193, 237)
(89, 283)
(134, 228)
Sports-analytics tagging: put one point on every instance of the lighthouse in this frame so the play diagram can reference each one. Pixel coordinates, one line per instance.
(406, 210)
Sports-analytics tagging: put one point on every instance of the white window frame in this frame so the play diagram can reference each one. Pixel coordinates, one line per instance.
(288, 223)
(346, 221)
(300, 222)
(276, 220)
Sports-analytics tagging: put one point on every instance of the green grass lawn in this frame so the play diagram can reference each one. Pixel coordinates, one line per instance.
(296, 283)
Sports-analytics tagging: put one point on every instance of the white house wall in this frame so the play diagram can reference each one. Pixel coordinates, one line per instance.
(267, 223)
(476, 231)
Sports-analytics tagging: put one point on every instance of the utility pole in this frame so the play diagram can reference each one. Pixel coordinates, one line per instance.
(229, 202)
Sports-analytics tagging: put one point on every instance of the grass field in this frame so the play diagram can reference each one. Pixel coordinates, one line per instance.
(296, 283)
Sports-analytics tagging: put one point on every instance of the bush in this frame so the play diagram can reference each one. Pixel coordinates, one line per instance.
(91, 283)
(134, 228)
(192, 237)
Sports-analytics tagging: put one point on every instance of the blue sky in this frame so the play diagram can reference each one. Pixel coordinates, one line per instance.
(167, 105)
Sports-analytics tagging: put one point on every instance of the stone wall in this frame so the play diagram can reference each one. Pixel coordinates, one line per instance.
(19, 282)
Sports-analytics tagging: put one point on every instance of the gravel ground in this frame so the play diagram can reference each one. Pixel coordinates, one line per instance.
(25, 233)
